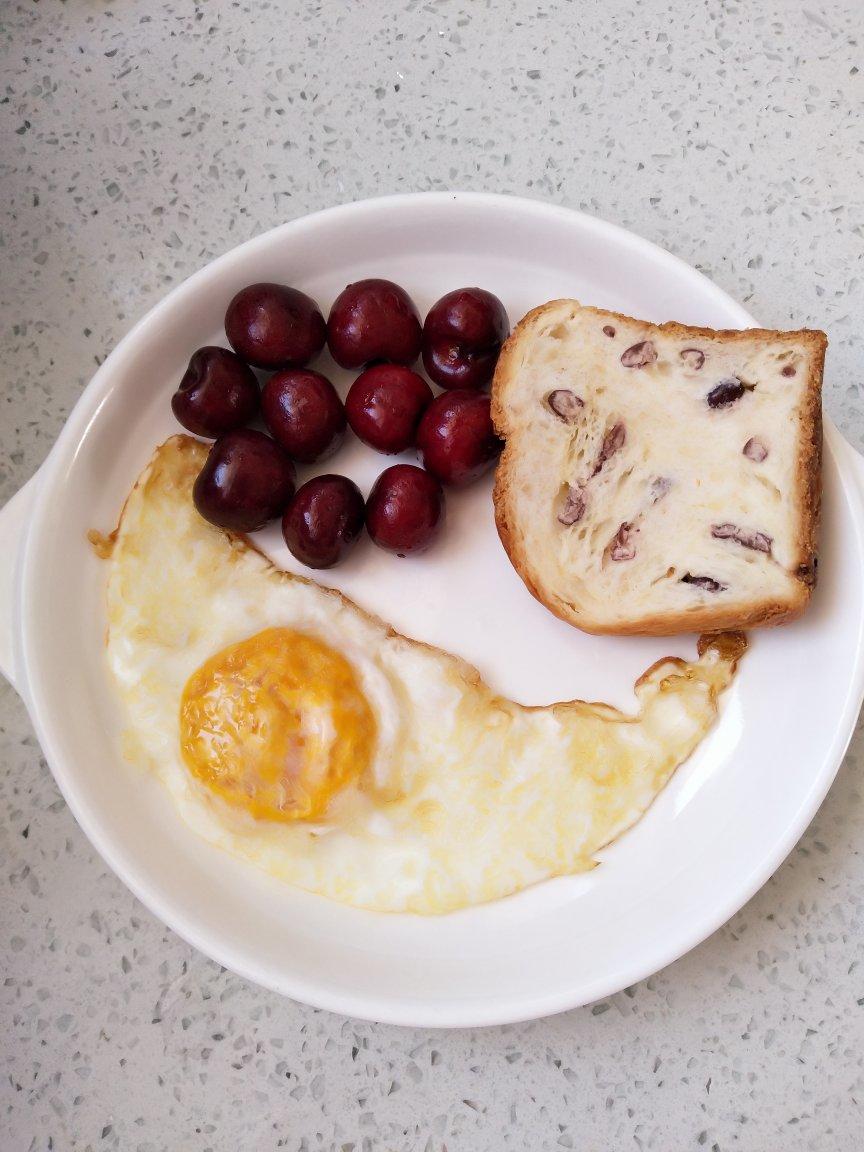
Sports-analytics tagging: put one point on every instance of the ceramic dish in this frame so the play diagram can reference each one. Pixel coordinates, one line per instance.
(722, 826)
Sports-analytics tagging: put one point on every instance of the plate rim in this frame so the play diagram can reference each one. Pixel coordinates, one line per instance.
(405, 1012)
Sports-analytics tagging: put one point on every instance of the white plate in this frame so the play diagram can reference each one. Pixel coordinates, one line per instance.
(725, 822)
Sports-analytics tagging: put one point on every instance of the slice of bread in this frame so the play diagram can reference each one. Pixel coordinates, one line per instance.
(659, 478)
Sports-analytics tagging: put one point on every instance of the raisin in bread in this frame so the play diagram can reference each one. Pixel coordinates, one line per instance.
(659, 478)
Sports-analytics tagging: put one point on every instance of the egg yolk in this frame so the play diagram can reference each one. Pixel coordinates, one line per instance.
(276, 725)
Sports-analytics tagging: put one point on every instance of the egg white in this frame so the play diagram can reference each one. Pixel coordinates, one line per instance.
(468, 797)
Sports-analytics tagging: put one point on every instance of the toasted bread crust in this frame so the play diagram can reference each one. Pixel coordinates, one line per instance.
(808, 483)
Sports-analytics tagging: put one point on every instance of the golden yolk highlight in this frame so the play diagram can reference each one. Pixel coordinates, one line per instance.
(276, 725)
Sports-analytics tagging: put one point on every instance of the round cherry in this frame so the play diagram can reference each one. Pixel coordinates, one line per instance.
(384, 406)
(456, 439)
(405, 510)
(324, 520)
(304, 414)
(462, 337)
(246, 480)
(274, 326)
(218, 393)
(373, 320)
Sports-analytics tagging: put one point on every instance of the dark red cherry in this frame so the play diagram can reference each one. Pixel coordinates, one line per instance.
(462, 338)
(246, 480)
(373, 320)
(218, 393)
(384, 406)
(456, 439)
(324, 520)
(303, 411)
(274, 326)
(405, 510)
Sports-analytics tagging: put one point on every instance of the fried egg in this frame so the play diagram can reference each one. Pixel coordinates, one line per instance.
(303, 735)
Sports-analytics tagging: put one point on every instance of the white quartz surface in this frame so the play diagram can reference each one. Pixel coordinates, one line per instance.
(139, 141)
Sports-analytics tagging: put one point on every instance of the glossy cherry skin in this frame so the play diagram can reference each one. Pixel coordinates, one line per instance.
(324, 520)
(462, 338)
(218, 393)
(274, 326)
(405, 510)
(384, 406)
(374, 320)
(246, 480)
(456, 439)
(304, 414)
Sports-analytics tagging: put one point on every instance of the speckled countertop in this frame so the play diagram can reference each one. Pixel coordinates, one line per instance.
(141, 140)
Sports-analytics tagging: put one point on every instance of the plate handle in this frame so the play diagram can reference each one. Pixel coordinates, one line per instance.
(14, 518)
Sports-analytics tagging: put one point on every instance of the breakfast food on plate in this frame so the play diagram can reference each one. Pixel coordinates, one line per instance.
(373, 320)
(462, 336)
(324, 520)
(274, 326)
(456, 439)
(405, 510)
(303, 414)
(218, 393)
(384, 406)
(249, 478)
(245, 481)
(659, 478)
(306, 737)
